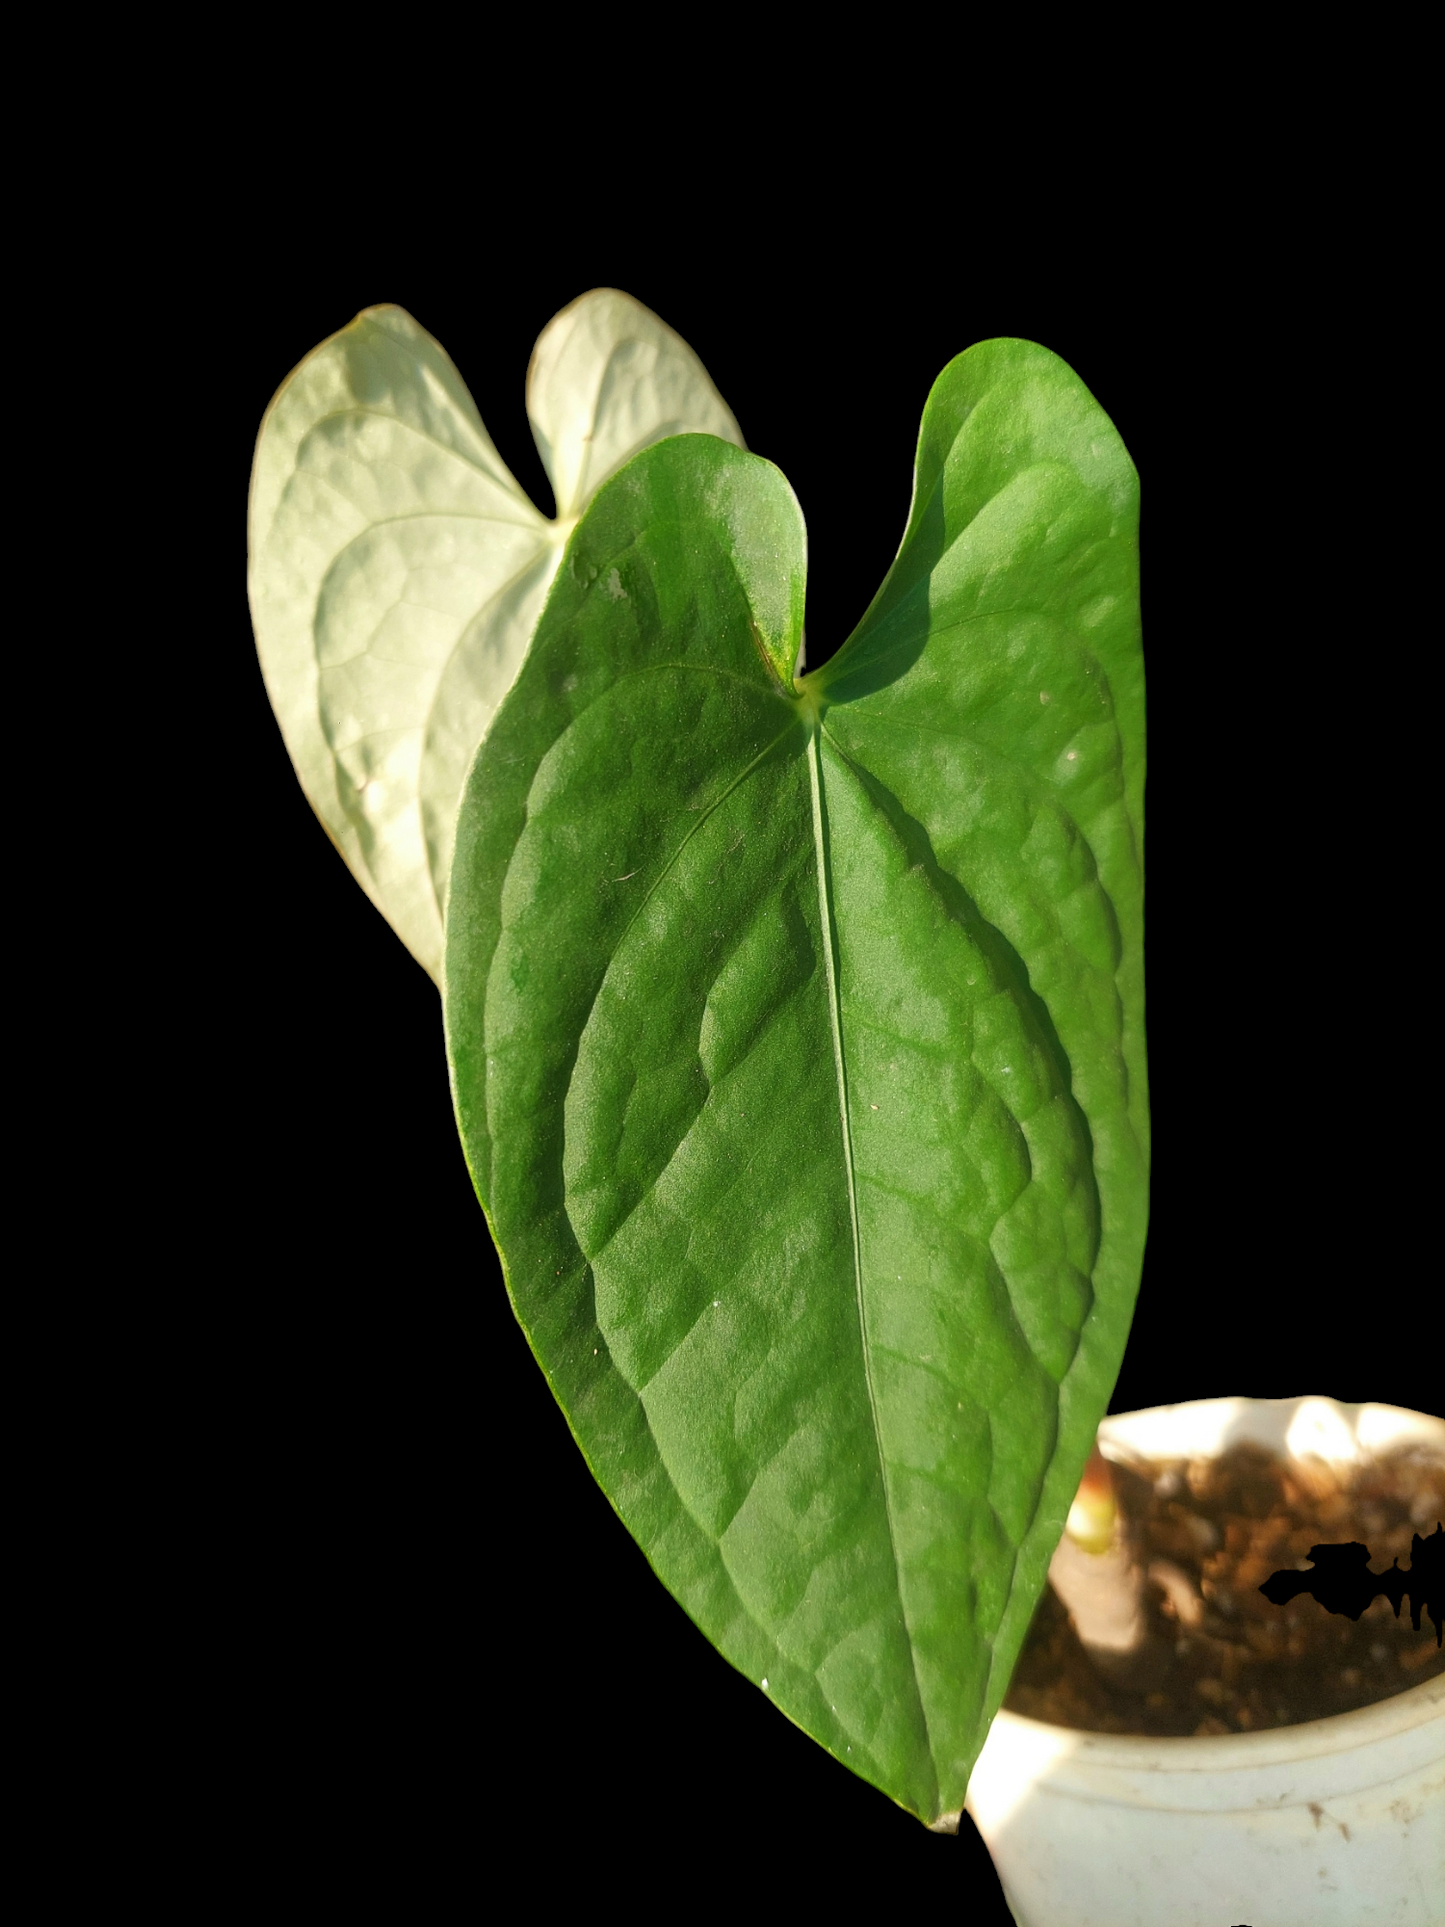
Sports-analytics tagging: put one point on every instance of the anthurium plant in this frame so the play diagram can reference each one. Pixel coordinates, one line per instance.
(795, 1021)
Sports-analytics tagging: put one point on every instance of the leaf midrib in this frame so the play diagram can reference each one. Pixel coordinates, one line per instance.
(830, 955)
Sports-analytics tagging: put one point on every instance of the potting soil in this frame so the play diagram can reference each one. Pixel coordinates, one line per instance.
(1224, 1659)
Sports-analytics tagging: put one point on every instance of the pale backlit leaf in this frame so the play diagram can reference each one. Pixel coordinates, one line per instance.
(397, 570)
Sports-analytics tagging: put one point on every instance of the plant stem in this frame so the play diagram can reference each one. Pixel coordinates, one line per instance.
(1098, 1574)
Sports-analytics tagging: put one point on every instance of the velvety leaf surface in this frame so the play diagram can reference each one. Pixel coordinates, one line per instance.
(397, 570)
(797, 1045)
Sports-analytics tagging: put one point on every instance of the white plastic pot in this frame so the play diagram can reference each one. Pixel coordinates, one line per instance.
(1333, 1823)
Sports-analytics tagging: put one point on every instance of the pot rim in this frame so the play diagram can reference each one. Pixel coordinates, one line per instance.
(1339, 1432)
(1272, 1746)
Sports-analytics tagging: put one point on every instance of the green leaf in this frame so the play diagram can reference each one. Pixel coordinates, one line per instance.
(397, 570)
(797, 1045)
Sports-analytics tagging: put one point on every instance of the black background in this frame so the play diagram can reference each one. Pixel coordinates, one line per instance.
(437, 1653)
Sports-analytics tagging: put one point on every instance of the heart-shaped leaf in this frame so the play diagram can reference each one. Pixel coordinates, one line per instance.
(397, 570)
(797, 1044)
